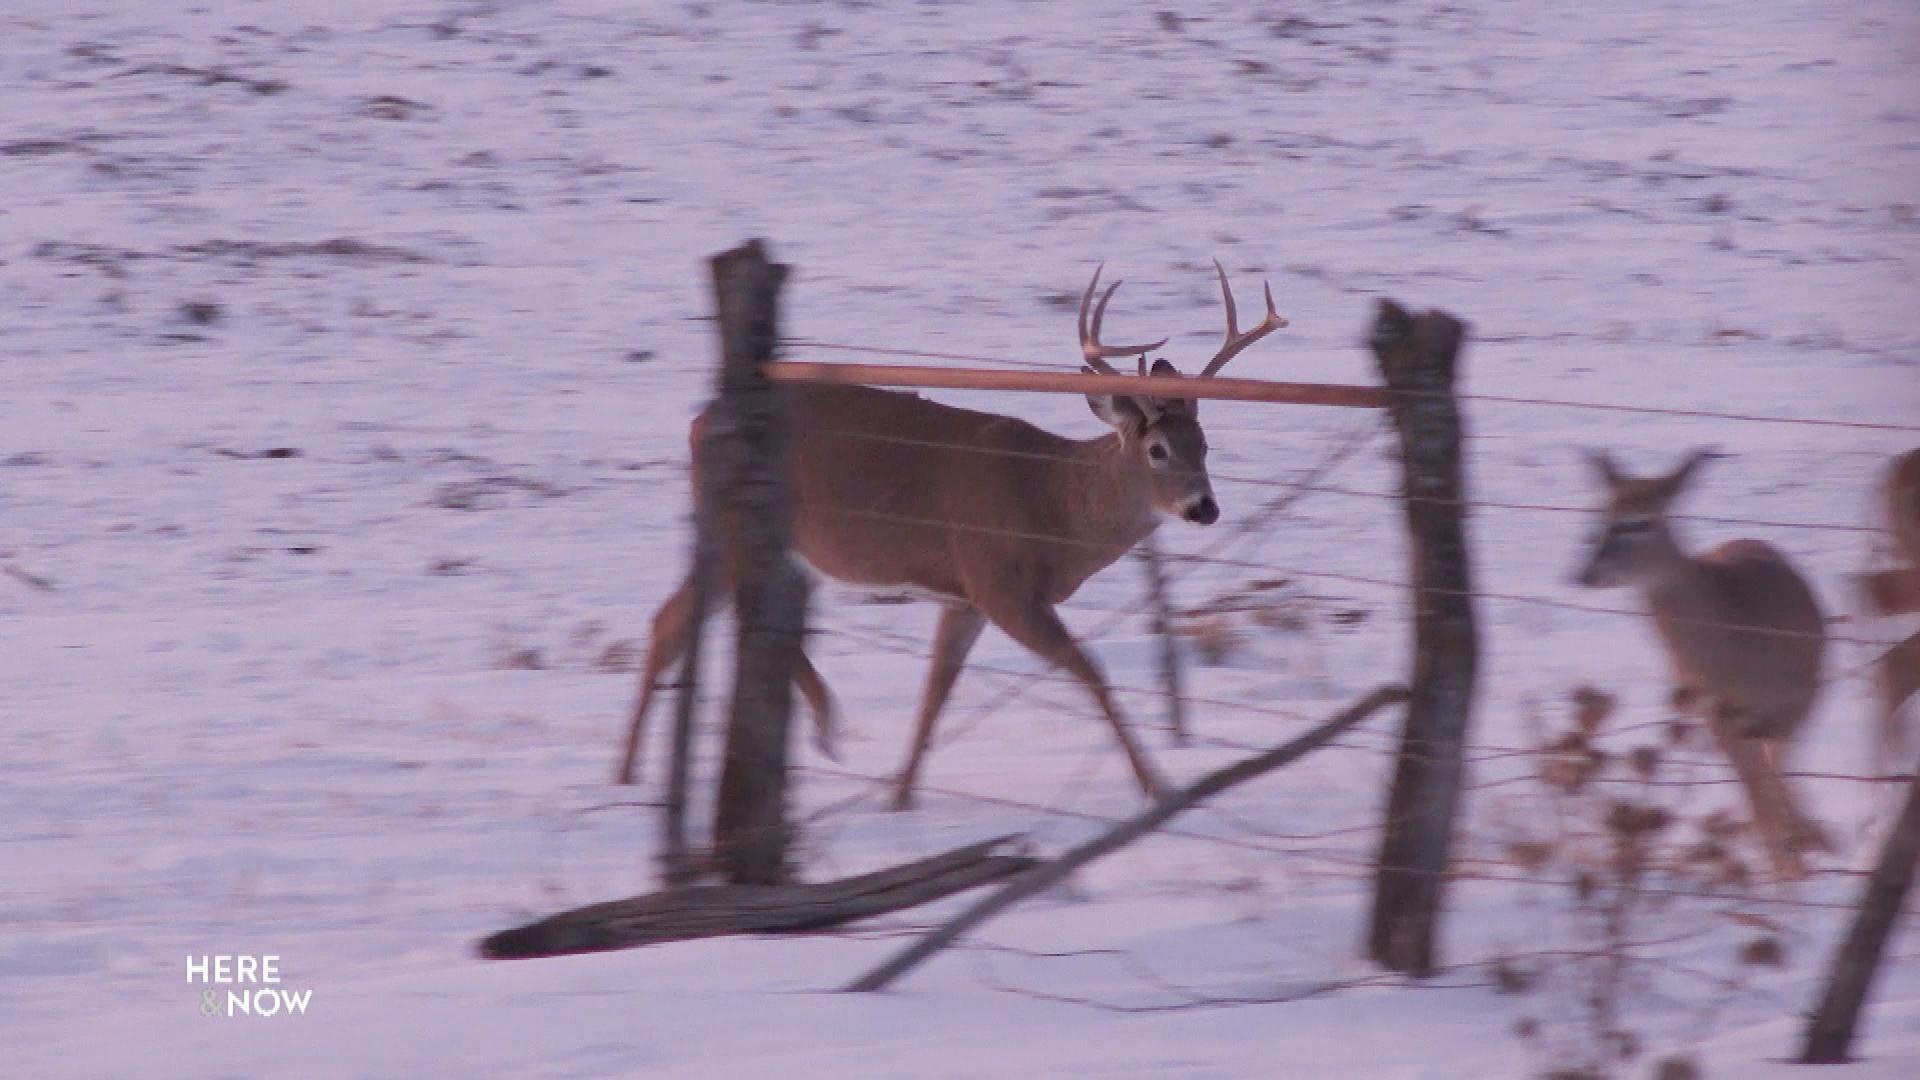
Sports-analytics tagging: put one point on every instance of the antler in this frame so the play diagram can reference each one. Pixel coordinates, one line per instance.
(1095, 353)
(1236, 340)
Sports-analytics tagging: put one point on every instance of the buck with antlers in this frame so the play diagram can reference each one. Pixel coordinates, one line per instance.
(997, 518)
(1742, 631)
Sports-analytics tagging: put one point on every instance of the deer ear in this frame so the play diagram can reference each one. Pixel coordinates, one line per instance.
(1603, 466)
(1677, 480)
(1187, 405)
(1120, 413)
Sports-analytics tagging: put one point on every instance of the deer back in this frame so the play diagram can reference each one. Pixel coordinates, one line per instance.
(891, 489)
(1742, 625)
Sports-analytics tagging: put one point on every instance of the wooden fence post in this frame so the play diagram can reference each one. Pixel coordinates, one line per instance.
(1418, 355)
(749, 430)
(1829, 1035)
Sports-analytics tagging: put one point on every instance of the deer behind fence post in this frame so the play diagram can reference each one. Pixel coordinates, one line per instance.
(998, 518)
(1742, 631)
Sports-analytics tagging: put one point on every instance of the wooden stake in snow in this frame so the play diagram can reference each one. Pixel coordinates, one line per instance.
(1048, 874)
(1418, 356)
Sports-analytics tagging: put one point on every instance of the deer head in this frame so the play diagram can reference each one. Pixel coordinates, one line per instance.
(1634, 545)
(1162, 435)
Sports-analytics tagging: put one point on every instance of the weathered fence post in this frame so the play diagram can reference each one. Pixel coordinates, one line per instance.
(1161, 605)
(1418, 355)
(1830, 1030)
(749, 431)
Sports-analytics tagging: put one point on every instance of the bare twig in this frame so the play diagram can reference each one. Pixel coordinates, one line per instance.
(28, 579)
(1160, 606)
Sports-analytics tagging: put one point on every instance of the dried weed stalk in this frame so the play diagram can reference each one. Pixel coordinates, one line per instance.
(1648, 874)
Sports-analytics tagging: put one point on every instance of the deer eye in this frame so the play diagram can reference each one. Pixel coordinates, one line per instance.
(1157, 451)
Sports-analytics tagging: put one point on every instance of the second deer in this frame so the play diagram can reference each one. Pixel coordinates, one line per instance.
(998, 519)
(1743, 634)
(1895, 591)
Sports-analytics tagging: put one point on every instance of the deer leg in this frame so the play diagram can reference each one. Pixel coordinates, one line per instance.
(1771, 819)
(671, 624)
(953, 639)
(1803, 832)
(820, 703)
(1039, 628)
(664, 649)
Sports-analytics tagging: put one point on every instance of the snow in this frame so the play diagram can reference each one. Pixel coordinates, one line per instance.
(283, 704)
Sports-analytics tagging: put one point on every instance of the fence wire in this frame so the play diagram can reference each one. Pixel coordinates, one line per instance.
(1342, 853)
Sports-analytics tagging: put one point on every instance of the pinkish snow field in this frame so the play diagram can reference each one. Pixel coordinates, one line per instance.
(347, 356)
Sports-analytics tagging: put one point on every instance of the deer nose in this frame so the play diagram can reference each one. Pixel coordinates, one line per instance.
(1203, 511)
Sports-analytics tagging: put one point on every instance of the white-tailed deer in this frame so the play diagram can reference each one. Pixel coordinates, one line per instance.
(999, 519)
(1742, 631)
(1896, 591)
(1903, 508)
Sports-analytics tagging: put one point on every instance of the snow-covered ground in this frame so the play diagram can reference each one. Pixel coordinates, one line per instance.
(344, 373)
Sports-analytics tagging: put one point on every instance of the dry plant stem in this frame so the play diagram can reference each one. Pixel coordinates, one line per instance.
(1616, 920)
(1171, 676)
(1048, 874)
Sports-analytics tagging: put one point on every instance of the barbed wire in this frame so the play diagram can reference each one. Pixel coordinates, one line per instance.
(1336, 853)
(1348, 578)
(1362, 864)
(1089, 462)
(1479, 753)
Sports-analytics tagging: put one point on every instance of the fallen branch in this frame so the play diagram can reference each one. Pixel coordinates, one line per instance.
(1047, 874)
(699, 911)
